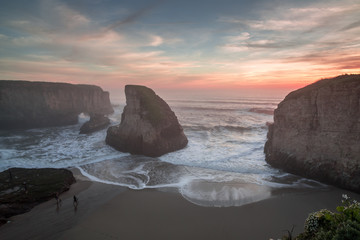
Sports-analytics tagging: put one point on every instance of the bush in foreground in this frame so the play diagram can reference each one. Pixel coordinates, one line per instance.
(344, 224)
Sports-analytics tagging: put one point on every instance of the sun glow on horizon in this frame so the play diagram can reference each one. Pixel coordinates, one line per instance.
(258, 46)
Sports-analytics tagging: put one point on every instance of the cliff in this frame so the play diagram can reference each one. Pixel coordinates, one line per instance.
(26, 104)
(316, 132)
(148, 125)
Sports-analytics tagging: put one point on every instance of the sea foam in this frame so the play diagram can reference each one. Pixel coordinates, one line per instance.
(223, 164)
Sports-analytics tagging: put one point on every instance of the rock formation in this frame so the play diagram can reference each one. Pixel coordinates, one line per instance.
(316, 132)
(148, 125)
(26, 104)
(21, 189)
(96, 122)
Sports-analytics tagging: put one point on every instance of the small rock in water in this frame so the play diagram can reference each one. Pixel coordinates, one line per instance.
(96, 123)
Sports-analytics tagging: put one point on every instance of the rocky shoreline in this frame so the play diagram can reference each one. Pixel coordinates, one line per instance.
(21, 189)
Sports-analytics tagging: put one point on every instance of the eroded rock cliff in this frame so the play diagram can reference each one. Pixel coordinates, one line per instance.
(26, 104)
(148, 125)
(21, 189)
(316, 132)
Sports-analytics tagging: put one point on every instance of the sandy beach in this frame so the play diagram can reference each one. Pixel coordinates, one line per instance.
(113, 212)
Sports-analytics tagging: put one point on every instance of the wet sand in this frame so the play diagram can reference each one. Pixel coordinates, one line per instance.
(113, 212)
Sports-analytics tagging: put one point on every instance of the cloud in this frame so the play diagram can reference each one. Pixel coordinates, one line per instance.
(351, 26)
(156, 41)
(273, 44)
(286, 44)
(232, 48)
(67, 44)
(284, 32)
(61, 41)
(136, 15)
(239, 37)
(344, 60)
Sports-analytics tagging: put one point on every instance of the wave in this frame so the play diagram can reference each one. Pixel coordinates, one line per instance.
(226, 109)
(219, 110)
(220, 128)
(223, 164)
(205, 187)
(239, 102)
(202, 108)
(224, 194)
(201, 186)
(135, 172)
(268, 111)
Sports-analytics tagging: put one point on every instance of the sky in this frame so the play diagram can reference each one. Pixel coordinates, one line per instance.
(170, 44)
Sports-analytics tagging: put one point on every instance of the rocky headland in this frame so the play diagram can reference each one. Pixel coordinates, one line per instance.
(25, 104)
(316, 132)
(21, 189)
(148, 125)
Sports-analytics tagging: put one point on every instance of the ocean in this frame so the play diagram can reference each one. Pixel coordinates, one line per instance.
(223, 164)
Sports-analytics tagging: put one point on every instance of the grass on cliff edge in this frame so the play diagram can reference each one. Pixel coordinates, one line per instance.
(339, 80)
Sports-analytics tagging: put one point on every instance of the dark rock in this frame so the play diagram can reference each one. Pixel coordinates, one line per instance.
(26, 104)
(316, 132)
(148, 125)
(96, 123)
(22, 189)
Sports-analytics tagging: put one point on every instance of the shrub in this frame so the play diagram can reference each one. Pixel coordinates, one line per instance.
(344, 224)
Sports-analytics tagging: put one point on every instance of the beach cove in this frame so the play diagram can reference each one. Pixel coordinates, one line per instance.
(113, 212)
(218, 187)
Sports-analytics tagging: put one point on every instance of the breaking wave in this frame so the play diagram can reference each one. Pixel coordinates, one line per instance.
(223, 164)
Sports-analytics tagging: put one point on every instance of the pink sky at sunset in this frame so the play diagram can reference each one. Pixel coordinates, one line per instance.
(172, 45)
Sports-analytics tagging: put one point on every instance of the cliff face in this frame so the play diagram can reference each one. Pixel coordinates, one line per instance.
(148, 125)
(41, 104)
(316, 132)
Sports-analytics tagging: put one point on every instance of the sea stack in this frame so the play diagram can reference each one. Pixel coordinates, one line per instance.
(148, 126)
(25, 104)
(96, 123)
(316, 132)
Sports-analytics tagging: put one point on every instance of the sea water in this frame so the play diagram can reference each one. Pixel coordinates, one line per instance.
(223, 164)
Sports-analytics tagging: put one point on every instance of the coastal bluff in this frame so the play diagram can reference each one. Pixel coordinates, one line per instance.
(25, 104)
(316, 132)
(148, 126)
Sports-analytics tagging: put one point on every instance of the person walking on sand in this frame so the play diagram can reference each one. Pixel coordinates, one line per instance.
(58, 200)
(25, 188)
(10, 175)
(75, 202)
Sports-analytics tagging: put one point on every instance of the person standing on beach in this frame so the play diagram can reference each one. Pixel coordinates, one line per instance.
(58, 200)
(10, 174)
(75, 202)
(25, 188)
